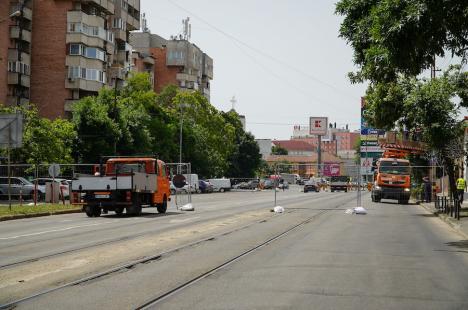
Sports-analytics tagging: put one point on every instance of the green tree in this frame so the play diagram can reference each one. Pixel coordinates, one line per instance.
(392, 37)
(278, 150)
(44, 141)
(114, 122)
(245, 158)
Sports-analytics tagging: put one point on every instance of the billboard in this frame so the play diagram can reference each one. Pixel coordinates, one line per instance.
(318, 126)
(331, 169)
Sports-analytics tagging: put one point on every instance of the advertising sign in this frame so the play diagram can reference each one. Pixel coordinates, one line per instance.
(318, 126)
(331, 169)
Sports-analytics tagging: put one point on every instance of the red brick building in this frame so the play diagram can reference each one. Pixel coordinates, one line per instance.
(54, 52)
(177, 62)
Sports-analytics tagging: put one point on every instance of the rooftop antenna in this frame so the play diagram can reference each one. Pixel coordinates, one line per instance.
(144, 23)
(187, 32)
(233, 102)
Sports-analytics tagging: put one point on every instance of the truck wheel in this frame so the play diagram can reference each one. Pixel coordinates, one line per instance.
(221, 190)
(89, 211)
(119, 211)
(162, 207)
(96, 211)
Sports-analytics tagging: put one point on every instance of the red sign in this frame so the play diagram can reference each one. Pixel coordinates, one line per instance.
(331, 169)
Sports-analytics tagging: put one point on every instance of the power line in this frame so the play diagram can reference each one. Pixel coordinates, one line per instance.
(261, 52)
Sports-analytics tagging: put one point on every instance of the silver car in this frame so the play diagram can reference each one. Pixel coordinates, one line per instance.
(18, 187)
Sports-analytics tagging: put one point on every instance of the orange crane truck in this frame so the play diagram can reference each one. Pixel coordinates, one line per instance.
(123, 183)
(392, 177)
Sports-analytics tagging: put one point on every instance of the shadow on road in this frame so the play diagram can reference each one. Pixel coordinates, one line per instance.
(143, 214)
(426, 215)
(462, 244)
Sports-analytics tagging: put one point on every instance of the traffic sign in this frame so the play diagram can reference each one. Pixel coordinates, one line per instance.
(179, 181)
(318, 126)
(54, 170)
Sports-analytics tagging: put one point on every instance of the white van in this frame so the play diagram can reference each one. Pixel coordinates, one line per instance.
(192, 183)
(220, 185)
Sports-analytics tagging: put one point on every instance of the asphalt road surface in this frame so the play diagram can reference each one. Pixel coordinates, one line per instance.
(233, 253)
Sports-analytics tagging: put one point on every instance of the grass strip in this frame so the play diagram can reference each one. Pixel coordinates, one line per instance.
(38, 209)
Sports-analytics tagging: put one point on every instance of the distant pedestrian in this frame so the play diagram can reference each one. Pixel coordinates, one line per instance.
(461, 187)
(427, 189)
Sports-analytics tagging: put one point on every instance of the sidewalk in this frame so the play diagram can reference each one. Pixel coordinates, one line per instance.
(461, 226)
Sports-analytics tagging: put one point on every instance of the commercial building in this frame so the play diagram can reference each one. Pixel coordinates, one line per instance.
(338, 141)
(177, 62)
(60, 51)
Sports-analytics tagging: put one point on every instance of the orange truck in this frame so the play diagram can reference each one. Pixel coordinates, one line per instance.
(392, 178)
(123, 183)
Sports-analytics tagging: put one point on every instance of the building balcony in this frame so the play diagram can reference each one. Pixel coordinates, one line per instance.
(15, 55)
(132, 23)
(87, 85)
(23, 35)
(14, 79)
(186, 77)
(106, 5)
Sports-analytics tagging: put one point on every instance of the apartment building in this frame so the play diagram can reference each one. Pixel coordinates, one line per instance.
(66, 50)
(177, 62)
(15, 51)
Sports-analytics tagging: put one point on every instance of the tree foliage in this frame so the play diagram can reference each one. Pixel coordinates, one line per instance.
(44, 141)
(393, 37)
(135, 120)
(278, 150)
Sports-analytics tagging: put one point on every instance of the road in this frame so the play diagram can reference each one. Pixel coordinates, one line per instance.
(239, 255)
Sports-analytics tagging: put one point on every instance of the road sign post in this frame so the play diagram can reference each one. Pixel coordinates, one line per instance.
(318, 126)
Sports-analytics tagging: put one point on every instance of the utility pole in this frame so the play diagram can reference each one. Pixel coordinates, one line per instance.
(434, 70)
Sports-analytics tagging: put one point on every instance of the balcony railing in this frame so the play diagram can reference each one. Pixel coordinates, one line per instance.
(24, 34)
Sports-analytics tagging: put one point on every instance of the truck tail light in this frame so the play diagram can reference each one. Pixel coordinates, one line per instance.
(129, 196)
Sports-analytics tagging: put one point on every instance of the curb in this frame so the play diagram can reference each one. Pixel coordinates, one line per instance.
(24, 216)
(455, 225)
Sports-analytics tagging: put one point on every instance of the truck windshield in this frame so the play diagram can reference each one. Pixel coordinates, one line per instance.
(339, 179)
(392, 168)
(130, 167)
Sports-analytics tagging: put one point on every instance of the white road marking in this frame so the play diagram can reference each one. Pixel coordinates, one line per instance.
(184, 220)
(54, 230)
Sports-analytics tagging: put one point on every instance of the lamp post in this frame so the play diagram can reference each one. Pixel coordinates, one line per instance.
(181, 105)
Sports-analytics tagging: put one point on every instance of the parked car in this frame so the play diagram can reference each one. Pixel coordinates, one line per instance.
(268, 184)
(205, 186)
(220, 185)
(311, 186)
(41, 187)
(252, 184)
(284, 185)
(18, 187)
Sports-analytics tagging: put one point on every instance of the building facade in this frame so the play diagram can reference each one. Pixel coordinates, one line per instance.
(177, 62)
(338, 141)
(76, 47)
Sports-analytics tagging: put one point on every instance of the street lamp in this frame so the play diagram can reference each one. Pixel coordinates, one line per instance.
(14, 14)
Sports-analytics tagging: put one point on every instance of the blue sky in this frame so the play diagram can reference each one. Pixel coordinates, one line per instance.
(282, 59)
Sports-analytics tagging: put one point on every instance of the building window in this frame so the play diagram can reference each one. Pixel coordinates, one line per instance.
(86, 74)
(18, 67)
(89, 52)
(92, 31)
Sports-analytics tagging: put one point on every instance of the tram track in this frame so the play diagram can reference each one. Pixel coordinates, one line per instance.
(159, 256)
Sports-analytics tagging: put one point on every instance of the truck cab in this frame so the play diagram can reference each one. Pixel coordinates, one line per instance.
(392, 180)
